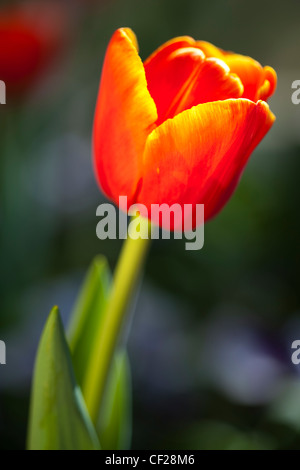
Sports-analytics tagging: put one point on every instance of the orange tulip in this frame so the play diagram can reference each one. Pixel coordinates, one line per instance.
(180, 127)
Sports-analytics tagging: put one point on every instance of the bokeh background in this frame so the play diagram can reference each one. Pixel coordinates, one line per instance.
(210, 345)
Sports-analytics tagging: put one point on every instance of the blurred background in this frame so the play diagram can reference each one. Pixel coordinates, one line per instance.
(210, 345)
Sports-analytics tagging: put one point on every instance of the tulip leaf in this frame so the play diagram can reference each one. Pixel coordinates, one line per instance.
(114, 420)
(58, 416)
(114, 425)
(87, 315)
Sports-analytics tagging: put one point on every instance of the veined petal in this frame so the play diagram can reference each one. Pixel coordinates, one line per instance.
(269, 84)
(198, 157)
(185, 78)
(125, 115)
(158, 57)
(259, 82)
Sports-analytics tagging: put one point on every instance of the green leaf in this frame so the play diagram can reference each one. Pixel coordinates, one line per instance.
(58, 416)
(87, 315)
(114, 425)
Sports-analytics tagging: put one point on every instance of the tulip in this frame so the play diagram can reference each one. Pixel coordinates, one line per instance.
(31, 36)
(176, 129)
(180, 127)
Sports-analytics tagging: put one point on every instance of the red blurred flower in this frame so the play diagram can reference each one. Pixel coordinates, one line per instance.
(180, 127)
(31, 35)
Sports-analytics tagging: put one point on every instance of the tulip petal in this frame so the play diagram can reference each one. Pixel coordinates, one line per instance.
(269, 84)
(198, 157)
(185, 78)
(158, 57)
(259, 82)
(125, 115)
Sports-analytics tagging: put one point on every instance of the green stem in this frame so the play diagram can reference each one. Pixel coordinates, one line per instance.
(126, 278)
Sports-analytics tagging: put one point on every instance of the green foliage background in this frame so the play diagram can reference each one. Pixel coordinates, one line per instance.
(210, 343)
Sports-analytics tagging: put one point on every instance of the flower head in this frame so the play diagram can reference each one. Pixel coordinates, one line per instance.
(180, 127)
